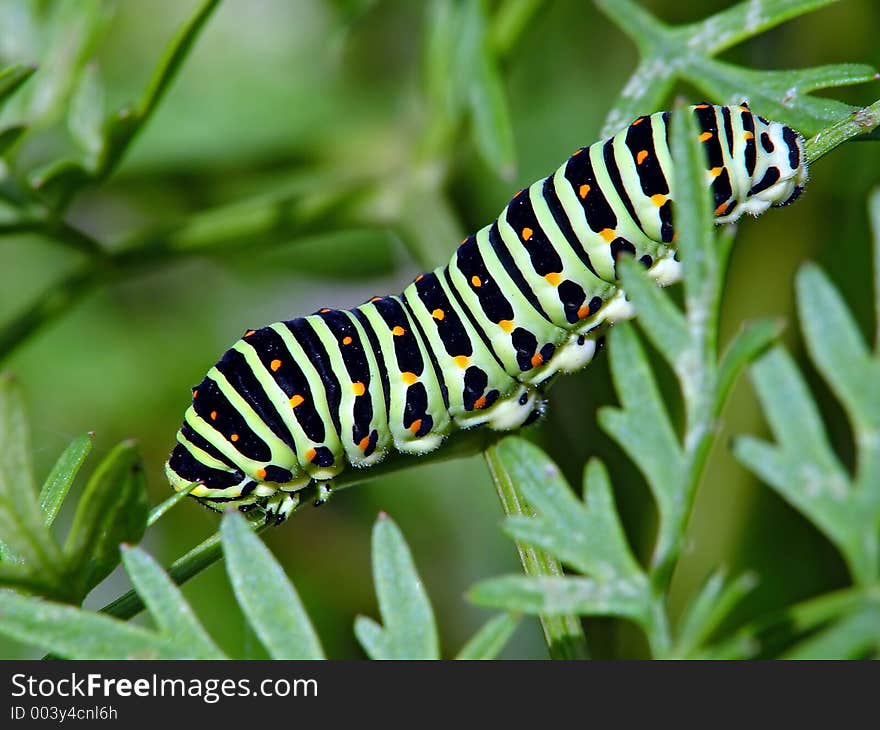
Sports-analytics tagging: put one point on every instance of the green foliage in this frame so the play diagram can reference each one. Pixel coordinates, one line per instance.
(588, 538)
(802, 465)
(268, 600)
(563, 633)
(687, 53)
(408, 630)
(111, 510)
(464, 56)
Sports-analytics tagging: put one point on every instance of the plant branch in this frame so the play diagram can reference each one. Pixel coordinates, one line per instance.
(860, 122)
(252, 227)
(204, 555)
(563, 634)
(128, 123)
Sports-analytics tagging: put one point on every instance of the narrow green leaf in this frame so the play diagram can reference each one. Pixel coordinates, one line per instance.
(780, 95)
(832, 76)
(641, 426)
(694, 221)
(18, 576)
(112, 510)
(123, 126)
(606, 528)
(820, 495)
(753, 339)
(85, 118)
(589, 539)
(560, 524)
(874, 214)
(662, 322)
(793, 415)
(75, 634)
(12, 77)
(745, 20)
(443, 78)
(266, 595)
(61, 477)
(59, 181)
(9, 136)
(174, 56)
(161, 508)
(855, 636)
(837, 348)
(407, 617)
(492, 637)
(493, 129)
(643, 93)
(15, 440)
(508, 23)
(709, 607)
(861, 124)
(635, 21)
(21, 522)
(173, 615)
(372, 638)
(561, 595)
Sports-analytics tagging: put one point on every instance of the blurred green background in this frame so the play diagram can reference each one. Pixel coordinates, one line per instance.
(277, 89)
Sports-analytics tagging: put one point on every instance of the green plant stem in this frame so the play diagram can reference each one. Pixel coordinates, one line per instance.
(160, 509)
(202, 556)
(874, 216)
(658, 630)
(697, 372)
(863, 121)
(267, 224)
(639, 24)
(130, 122)
(511, 19)
(563, 634)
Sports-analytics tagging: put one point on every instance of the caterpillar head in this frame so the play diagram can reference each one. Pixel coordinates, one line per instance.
(781, 169)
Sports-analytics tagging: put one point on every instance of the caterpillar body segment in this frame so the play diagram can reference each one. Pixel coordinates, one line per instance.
(475, 342)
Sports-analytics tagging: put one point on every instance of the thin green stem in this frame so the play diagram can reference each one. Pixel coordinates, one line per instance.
(863, 121)
(563, 634)
(265, 225)
(511, 19)
(658, 631)
(874, 215)
(160, 509)
(129, 122)
(202, 556)
(75, 238)
(644, 29)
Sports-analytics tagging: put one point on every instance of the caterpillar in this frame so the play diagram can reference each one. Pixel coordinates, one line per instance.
(473, 343)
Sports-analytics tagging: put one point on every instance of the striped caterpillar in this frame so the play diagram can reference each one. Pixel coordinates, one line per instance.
(475, 342)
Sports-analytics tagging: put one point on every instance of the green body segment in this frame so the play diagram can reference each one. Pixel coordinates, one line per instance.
(473, 343)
